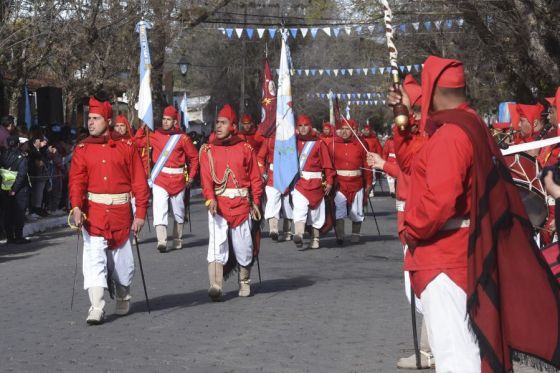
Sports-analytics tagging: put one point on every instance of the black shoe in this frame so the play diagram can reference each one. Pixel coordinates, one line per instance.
(393, 195)
(274, 236)
(340, 242)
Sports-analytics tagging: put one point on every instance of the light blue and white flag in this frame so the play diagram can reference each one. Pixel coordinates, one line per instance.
(285, 151)
(145, 112)
(184, 112)
(28, 118)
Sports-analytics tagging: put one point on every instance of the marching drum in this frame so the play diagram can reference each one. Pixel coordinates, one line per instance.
(525, 171)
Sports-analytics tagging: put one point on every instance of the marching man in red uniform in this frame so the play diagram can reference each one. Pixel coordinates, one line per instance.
(308, 195)
(172, 150)
(277, 203)
(104, 173)
(327, 132)
(232, 187)
(485, 288)
(374, 146)
(248, 131)
(354, 179)
(389, 156)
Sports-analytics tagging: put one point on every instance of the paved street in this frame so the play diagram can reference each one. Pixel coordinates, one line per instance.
(328, 310)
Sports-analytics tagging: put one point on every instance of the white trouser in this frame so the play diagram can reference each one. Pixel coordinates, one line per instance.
(302, 213)
(133, 204)
(417, 301)
(391, 182)
(161, 201)
(100, 262)
(218, 247)
(445, 314)
(276, 201)
(356, 209)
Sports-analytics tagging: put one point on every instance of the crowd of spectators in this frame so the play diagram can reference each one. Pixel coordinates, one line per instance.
(34, 167)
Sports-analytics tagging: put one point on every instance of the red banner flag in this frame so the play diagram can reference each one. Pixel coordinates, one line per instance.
(268, 120)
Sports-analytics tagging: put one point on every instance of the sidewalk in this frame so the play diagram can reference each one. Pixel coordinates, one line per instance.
(44, 224)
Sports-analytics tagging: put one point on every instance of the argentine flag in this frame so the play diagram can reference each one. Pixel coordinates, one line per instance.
(285, 151)
(145, 112)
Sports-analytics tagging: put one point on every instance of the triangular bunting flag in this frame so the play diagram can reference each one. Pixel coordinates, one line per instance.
(384, 102)
(299, 72)
(416, 26)
(335, 72)
(348, 30)
(327, 30)
(371, 29)
(306, 72)
(343, 71)
(381, 70)
(260, 32)
(314, 32)
(318, 94)
(229, 32)
(359, 29)
(313, 72)
(328, 71)
(338, 95)
(373, 69)
(428, 25)
(304, 31)
(351, 71)
(375, 102)
(365, 71)
(250, 32)
(449, 24)
(272, 32)
(349, 95)
(417, 67)
(401, 68)
(336, 31)
(293, 32)
(321, 72)
(409, 68)
(460, 22)
(359, 95)
(369, 95)
(292, 72)
(358, 71)
(239, 32)
(402, 27)
(438, 24)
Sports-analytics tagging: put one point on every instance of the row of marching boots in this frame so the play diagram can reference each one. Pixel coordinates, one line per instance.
(299, 230)
(161, 235)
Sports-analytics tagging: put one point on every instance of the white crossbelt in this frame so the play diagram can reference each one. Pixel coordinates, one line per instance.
(392, 155)
(456, 223)
(234, 192)
(109, 199)
(349, 172)
(308, 175)
(169, 170)
(400, 205)
(271, 167)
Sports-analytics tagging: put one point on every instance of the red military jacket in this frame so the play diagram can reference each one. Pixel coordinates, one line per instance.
(108, 166)
(349, 155)
(318, 160)
(265, 159)
(389, 150)
(373, 144)
(407, 147)
(441, 176)
(253, 137)
(183, 152)
(239, 157)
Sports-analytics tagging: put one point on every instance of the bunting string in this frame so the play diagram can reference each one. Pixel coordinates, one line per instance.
(340, 72)
(254, 32)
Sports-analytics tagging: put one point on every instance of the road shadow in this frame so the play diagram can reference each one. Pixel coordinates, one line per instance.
(187, 242)
(198, 297)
